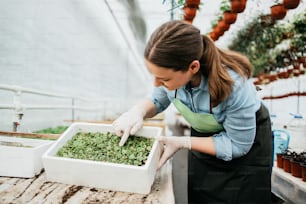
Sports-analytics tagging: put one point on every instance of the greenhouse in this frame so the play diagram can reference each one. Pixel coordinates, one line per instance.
(146, 101)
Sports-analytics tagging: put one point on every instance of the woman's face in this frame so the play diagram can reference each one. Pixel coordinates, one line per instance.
(169, 78)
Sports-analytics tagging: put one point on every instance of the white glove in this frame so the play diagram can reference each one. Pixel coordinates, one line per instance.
(128, 123)
(172, 145)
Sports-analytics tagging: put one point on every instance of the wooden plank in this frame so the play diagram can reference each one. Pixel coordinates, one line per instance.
(30, 135)
(39, 190)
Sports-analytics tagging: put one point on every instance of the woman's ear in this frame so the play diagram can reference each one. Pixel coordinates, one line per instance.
(194, 66)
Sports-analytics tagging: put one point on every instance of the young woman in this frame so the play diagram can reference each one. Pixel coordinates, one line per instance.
(230, 143)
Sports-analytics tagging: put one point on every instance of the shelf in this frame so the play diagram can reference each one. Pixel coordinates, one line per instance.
(289, 188)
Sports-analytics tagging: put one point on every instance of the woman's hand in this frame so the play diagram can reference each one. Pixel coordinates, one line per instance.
(172, 145)
(128, 124)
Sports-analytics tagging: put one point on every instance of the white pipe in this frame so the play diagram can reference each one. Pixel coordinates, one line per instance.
(15, 88)
(46, 107)
(5, 106)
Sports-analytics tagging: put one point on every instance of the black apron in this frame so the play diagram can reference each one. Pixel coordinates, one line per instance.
(243, 180)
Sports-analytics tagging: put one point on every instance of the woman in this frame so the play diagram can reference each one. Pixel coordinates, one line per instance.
(230, 143)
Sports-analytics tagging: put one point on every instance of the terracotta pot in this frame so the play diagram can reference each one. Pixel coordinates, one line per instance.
(189, 13)
(213, 36)
(193, 3)
(291, 4)
(283, 75)
(278, 11)
(287, 163)
(238, 6)
(223, 25)
(302, 59)
(296, 170)
(303, 167)
(279, 160)
(218, 31)
(296, 72)
(229, 17)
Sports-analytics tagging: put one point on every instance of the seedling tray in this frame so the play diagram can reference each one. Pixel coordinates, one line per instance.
(106, 175)
(21, 157)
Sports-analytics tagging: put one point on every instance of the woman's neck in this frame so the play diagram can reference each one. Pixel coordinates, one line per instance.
(196, 80)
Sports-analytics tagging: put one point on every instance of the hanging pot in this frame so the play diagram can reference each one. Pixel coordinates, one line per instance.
(218, 31)
(229, 17)
(213, 36)
(291, 4)
(238, 6)
(223, 25)
(189, 13)
(193, 3)
(278, 11)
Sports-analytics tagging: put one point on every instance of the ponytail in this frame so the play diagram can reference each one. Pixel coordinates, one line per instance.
(214, 65)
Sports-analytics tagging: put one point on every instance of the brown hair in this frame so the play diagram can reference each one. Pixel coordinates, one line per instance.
(176, 44)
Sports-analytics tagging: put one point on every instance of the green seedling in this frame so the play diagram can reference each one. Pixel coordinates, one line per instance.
(105, 147)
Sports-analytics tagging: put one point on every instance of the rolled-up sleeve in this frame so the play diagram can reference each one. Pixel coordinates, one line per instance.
(160, 99)
(239, 123)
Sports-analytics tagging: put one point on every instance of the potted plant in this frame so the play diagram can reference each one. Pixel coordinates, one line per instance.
(213, 36)
(223, 25)
(228, 16)
(194, 3)
(296, 170)
(291, 4)
(278, 11)
(190, 8)
(238, 6)
(303, 166)
(287, 156)
(189, 13)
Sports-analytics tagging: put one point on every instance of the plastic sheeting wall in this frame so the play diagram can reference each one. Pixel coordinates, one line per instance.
(72, 47)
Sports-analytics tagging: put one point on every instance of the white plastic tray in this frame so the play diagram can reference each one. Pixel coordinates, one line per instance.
(117, 177)
(23, 162)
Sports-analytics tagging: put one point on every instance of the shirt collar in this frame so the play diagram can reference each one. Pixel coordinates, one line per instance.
(203, 85)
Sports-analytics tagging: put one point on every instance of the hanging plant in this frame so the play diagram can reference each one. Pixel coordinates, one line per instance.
(223, 25)
(238, 6)
(278, 11)
(193, 3)
(190, 8)
(213, 36)
(189, 13)
(228, 16)
(291, 4)
(219, 31)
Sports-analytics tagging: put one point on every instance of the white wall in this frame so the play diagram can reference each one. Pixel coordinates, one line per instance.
(69, 47)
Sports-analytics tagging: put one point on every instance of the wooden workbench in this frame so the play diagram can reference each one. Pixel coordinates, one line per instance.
(38, 190)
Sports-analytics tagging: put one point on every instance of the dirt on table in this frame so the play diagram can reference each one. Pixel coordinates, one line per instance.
(38, 190)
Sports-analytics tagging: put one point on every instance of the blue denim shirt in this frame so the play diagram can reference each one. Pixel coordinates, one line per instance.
(237, 114)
